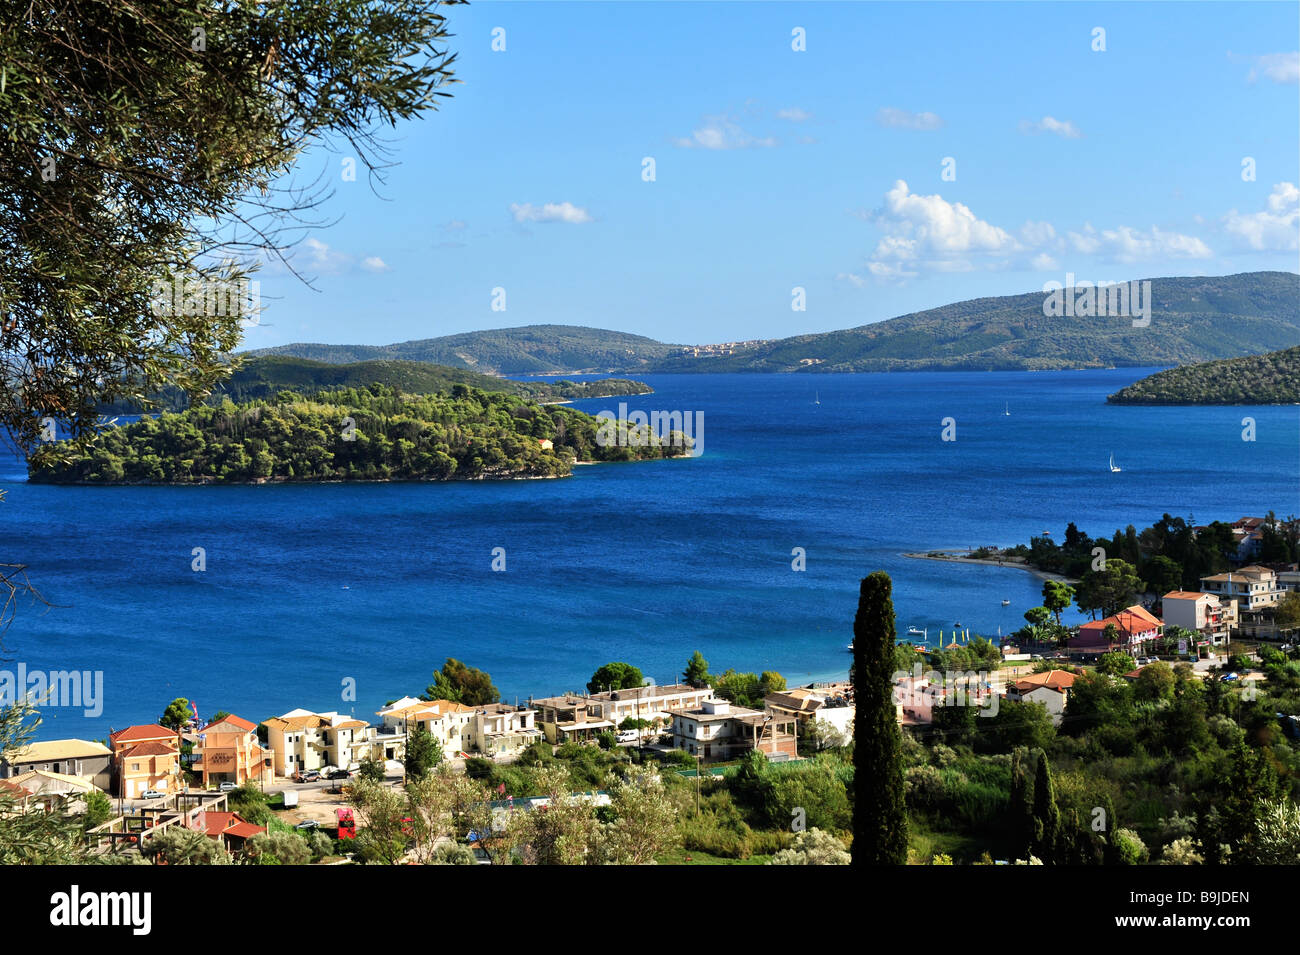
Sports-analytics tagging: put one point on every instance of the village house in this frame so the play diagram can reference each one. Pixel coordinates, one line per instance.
(50, 790)
(1257, 593)
(654, 704)
(569, 718)
(1255, 588)
(18, 797)
(301, 740)
(1248, 535)
(145, 758)
(447, 722)
(1051, 689)
(228, 751)
(500, 729)
(1134, 626)
(804, 706)
(1202, 613)
(719, 730)
(92, 762)
(228, 828)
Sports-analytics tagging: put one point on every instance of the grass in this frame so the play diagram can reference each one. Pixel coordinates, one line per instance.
(695, 857)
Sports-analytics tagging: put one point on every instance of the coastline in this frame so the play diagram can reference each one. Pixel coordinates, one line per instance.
(953, 557)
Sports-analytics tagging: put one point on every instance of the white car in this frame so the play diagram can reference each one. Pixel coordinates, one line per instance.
(628, 736)
(151, 794)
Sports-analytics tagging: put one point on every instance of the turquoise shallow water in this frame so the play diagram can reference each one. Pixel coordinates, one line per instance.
(309, 586)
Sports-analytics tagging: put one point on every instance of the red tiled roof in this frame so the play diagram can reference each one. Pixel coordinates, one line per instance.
(236, 722)
(151, 748)
(1184, 595)
(242, 830)
(14, 790)
(134, 734)
(1059, 680)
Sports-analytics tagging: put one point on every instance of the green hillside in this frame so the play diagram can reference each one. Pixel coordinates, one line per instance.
(261, 377)
(1272, 379)
(1193, 319)
(529, 350)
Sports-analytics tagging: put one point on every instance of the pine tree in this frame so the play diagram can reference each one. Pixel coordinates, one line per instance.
(879, 810)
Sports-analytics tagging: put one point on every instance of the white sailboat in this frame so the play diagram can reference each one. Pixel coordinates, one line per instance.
(1007, 411)
(1114, 468)
(817, 397)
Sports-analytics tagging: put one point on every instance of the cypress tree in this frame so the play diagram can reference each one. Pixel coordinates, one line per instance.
(1047, 818)
(1022, 801)
(879, 810)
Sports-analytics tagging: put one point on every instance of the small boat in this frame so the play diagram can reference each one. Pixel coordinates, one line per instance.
(957, 624)
(1007, 412)
(1114, 468)
(849, 648)
(915, 632)
(1006, 603)
(817, 397)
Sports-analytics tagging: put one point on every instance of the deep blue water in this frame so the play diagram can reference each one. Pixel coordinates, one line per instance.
(308, 585)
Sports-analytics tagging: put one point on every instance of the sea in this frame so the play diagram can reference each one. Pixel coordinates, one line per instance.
(345, 596)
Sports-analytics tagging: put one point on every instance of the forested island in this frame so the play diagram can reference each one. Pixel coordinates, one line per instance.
(260, 378)
(375, 433)
(1271, 379)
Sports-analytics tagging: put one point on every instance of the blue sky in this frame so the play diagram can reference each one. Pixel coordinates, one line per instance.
(820, 169)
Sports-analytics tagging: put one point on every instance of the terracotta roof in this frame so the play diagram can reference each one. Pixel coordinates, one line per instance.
(1184, 595)
(151, 748)
(1130, 620)
(294, 723)
(14, 790)
(243, 830)
(59, 749)
(1059, 680)
(235, 722)
(134, 734)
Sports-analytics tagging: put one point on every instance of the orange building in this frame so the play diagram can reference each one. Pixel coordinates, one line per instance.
(145, 758)
(228, 751)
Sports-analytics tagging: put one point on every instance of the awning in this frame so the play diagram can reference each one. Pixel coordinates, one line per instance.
(593, 725)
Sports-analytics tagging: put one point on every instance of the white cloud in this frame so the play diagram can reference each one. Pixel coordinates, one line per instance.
(455, 225)
(905, 119)
(930, 234)
(931, 227)
(1276, 228)
(794, 114)
(722, 132)
(1049, 124)
(1127, 244)
(373, 263)
(1278, 67)
(550, 212)
(321, 259)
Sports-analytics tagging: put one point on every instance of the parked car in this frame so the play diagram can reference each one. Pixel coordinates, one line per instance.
(628, 736)
(1229, 677)
(151, 794)
(227, 787)
(339, 774)
(307, 776)
(308, 824)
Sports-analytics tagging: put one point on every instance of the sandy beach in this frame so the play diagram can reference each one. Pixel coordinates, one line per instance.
(954, 557)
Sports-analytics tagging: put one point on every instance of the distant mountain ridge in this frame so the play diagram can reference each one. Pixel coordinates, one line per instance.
(1193, 319)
